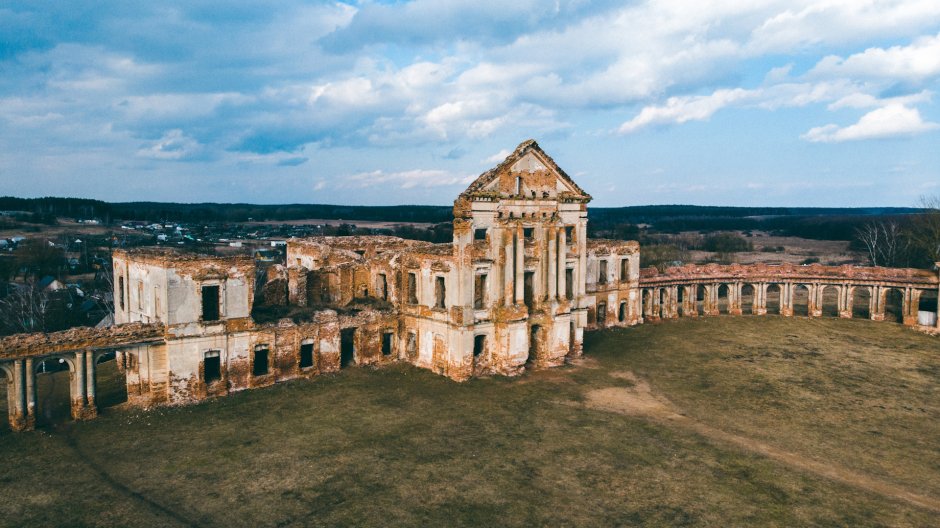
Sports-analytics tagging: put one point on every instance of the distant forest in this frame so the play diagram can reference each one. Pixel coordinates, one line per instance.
(831, 223)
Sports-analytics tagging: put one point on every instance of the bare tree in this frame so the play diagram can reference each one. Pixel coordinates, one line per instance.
(870, 235)
(925, 230)
(885, 241)
(25, 308)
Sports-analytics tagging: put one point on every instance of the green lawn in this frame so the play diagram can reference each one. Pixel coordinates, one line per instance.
(401, 446)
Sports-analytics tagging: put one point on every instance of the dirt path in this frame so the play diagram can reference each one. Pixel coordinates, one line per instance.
(639, 400)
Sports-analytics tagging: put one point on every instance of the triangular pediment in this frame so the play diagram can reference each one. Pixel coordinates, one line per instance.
(527, 173)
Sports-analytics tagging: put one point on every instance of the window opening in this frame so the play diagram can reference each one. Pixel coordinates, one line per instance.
(212, 367)
(479, 292)
(210, 303)
(306, 355)
(259, 366)
(439, 292)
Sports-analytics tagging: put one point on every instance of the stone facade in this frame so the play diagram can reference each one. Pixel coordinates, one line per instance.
(515, 290)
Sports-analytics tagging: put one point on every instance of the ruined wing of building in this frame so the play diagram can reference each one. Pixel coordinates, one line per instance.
(516, 289)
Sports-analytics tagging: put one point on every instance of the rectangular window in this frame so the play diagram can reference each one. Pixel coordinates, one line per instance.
(212, 367)
(121, 291)
(382, 287)
(528, 232)
(479, 234)
(210, 303)
(624, 269)
(479, 292)
(259, 367)
(412, 288)
(602, 272)
(440, 293)
(140, 295)
(569, 283)
(411, 347)
(306, 355)
(569, 234)
(387, 344)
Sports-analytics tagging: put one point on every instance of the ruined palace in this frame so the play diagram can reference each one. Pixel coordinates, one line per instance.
(515, 290)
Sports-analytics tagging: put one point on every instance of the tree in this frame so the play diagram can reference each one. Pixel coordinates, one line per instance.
(24, 309)
(925, 231)
(886, 242)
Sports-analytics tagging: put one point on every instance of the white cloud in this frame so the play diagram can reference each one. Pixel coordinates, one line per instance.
(682, 109)
(408, 179)
(498, 157)
(889, 121)
(174, 145)
(916, 62)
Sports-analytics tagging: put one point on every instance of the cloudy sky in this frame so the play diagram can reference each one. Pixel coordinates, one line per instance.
(791, 102)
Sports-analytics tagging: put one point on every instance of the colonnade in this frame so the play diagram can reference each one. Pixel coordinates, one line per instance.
(21, 377)
(672, 300)
(550, 274)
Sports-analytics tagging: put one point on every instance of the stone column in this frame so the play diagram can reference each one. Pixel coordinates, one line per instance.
(582, 257)
(509, 268)
(674, 302)
(849, 301)
(520, 265)
(29, 371)
(911, 306)
(734, 298)
(691, 300)
(562, 259)
(657, 310)
(78, 386)
(760, 298)
(712, 300)
(845, 311)
(786, 299)
(877, 309)
(814, 300)
(91, 409)
(552, 242)
(18, 416)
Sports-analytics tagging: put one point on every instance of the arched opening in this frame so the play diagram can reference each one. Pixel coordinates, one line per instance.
(663, 303)
(894, 301)
(773, 299)
(861, 302)
(601, 314)
(53, 391)
(801, 300)
(830, 301)
(680, 299)
(110, 385)
(622, 312)
(6, 398)
(747, 299)
(723, 303)
(535, 343)
(700, 294)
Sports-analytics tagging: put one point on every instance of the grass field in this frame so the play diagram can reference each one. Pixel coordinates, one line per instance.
(721, 421)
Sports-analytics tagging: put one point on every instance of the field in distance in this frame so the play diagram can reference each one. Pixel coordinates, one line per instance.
(714, 421)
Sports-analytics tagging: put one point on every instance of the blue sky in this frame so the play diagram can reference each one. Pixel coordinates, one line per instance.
(814, 103)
